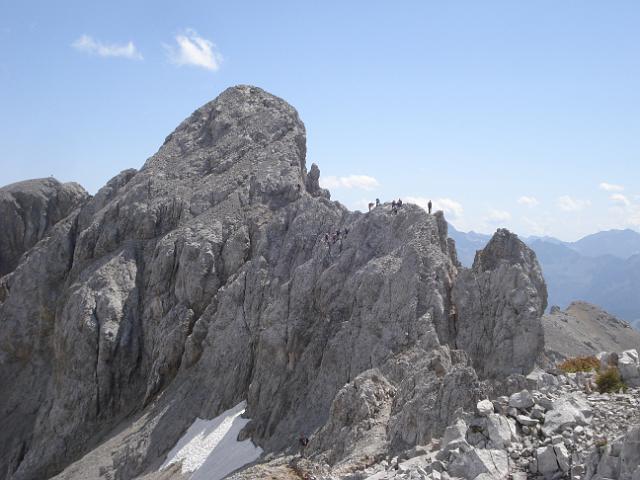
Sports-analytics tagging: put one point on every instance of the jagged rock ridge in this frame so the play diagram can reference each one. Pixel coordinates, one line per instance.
(204, 279)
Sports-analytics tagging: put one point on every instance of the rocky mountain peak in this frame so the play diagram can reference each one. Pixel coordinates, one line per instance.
(245, 131)
(220, 273)
(504, 247)
(500, 301)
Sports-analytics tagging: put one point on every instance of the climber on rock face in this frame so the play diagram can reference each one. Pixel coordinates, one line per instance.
(304, 441)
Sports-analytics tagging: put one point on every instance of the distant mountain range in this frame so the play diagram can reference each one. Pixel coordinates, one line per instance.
(602, 268)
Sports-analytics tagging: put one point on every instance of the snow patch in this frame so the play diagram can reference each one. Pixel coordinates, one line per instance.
(210, 450)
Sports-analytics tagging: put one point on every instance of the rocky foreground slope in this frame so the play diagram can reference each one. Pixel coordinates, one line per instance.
(221, 272)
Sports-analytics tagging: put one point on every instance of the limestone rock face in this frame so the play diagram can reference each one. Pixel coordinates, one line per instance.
(221, 272)
(28, 210)
(498, 307)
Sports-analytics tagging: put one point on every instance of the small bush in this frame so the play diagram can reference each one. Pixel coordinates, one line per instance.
(610, 380)
(580, 364)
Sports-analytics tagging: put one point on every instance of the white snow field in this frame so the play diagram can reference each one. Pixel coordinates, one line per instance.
(210, 450)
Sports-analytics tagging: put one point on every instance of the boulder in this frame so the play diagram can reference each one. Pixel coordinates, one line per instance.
(500, 431)
(492, 464)
(629, 367)
(568, 411)
(521, 400)
(538, 378)
(562, 456)
(547, 464)
(454, 432)
(527, 421)
(484, 407)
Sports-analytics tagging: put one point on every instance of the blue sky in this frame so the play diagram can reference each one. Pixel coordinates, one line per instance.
(517, 114)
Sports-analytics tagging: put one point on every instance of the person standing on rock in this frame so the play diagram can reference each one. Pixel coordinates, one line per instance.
(377, 202)
(429, 205)
(399, 203)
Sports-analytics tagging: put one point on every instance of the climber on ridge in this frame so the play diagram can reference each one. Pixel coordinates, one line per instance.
(429, 205)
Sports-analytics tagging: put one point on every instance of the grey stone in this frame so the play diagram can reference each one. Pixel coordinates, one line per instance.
(546, 461)
(629, 367)
(484, 407)
(562, 457)
(568, 411)
(527, 421)
(493, 463)
(521, 400)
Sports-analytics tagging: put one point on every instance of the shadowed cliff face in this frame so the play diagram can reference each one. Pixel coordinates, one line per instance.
(205, 279)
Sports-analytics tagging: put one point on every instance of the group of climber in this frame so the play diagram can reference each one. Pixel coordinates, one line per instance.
(333, 237)
(395, 205)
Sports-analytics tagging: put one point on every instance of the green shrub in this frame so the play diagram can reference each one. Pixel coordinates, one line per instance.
(610, 380)
(580, 364)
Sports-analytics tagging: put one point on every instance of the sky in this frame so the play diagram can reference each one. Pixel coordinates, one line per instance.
(515, 114)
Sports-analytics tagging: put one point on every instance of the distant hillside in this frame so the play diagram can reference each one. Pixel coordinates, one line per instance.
(603, 268)
(584, 329)
(619, 243)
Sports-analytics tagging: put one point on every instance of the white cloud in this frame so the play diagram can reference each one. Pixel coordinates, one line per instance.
(450, 207)
(528, 201)
(195, 51)
(610, 187)
(620, 198)
(88, 44)
(498, 216)
(360, 182)
(569, 204)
